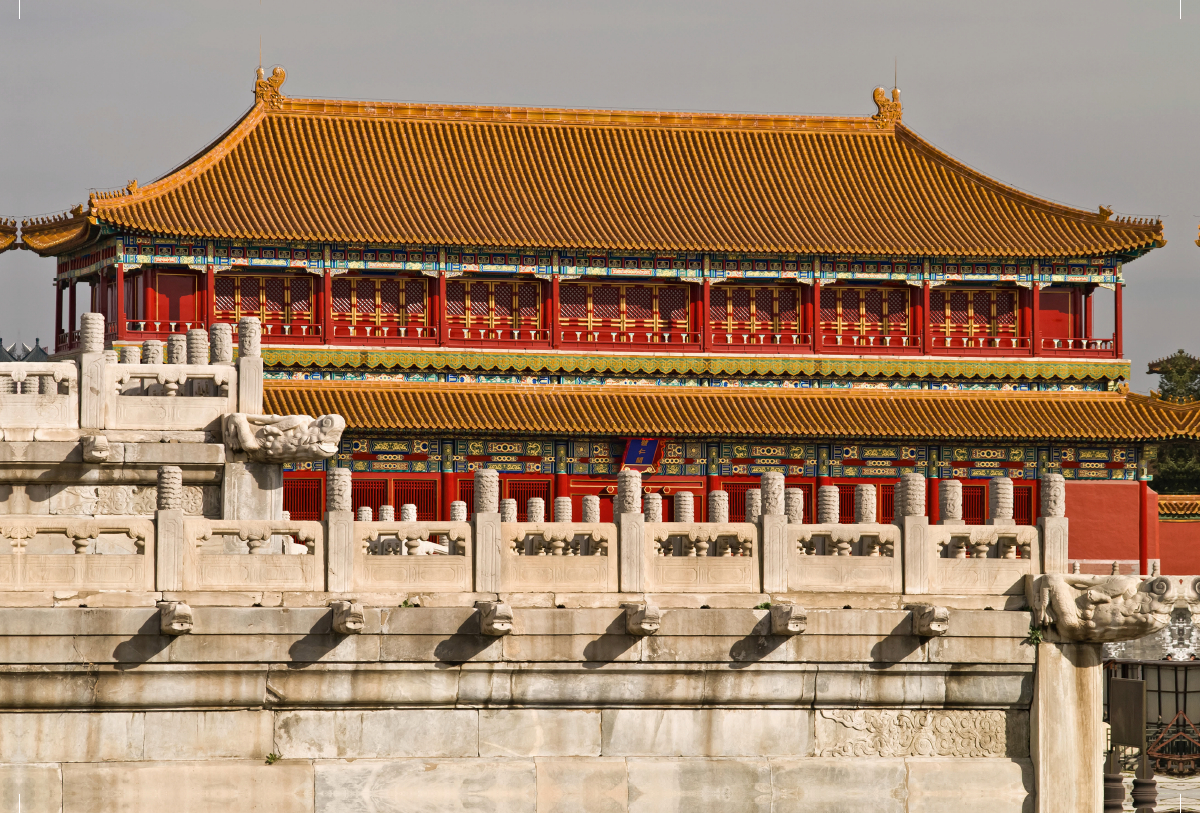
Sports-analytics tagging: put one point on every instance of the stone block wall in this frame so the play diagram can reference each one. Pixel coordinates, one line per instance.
(569, 712)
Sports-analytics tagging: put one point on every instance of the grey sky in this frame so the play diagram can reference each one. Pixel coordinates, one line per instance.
(1081, 102)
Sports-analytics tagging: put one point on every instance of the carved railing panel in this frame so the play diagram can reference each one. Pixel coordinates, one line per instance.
(39, 394)
(707, 557)
(987, 559)
(852, 558)
(404, 556)
(208, 565)
(168, 396)
(578, 557)
(76, 553)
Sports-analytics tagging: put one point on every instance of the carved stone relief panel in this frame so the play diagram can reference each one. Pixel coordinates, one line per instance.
(925, 733)
(198, 501)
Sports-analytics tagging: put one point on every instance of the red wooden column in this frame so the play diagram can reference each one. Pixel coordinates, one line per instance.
(210, 300)
(327, 307)
(926, 319)
(555, 321)
(120, 314)
(815, 315)
(1118, 327)
(73, 318)
(1035, 327)
(705, 319)
(58, 308)
(441, 314)
(1087, 312)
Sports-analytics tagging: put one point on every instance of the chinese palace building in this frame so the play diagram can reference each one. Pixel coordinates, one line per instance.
(559, 293)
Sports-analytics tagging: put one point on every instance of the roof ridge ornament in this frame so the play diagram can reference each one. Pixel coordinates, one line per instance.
(889, 111)
(267, 90)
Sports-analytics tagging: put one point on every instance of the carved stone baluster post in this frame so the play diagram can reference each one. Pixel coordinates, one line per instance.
(92, 396)
(919, 551)
(408, 512)
(753, 505)
(685, 507)
(718, 506)
(1052, 524)
(828, 505)
(562, 509)
(652, 505)
(864, 504)
(170, 544)
(197, 346)
(152, 352)
(387, 513)
(793, 505)
(177, 347)
(458, 511)
(487, 530)
(339, 531)
(364, 514)
(950, 503)
(591, 508)
(220, 344)
(130, 354)
(773, 530)
(508, 510)
(535, 510)
(631, 527)
(1000, 501)
(250, 366)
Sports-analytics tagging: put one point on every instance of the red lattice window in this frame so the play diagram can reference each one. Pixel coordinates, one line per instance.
(503, 293)
(466, 493)
(364, 303)
(606, 303)
(639, 304)
(341, 296)
(480, 306)
(421, 493)
(897, 310)
(456, 300)
(829, 307)
(369, 493)
(573, 303)
(788, 315)
(226, 290)
(673, 306)
(872, 310)
(737, 499)
(1023, 505)
(764, 309)
(974, 312)
(846, 503)
(523, 490)
(302, 499)
(414, 300)
(273, 302)
(717, 309)
(741, 307)
(389, 297)
(981, 316)
(974, 504)
(249, 296)
(885, 511)
(301, 296)
(528, 302)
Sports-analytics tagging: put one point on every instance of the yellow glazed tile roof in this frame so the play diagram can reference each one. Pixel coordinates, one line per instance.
(703, 411)
(8, 233)
(374, 172)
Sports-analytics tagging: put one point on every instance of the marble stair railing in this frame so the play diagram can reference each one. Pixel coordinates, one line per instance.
(76, 553)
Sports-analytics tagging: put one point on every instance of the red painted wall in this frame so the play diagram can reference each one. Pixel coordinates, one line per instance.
(1104, 520)
(1179, 546)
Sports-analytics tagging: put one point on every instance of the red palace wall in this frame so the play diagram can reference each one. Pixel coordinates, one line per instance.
(1104, 521)
(1179, 546)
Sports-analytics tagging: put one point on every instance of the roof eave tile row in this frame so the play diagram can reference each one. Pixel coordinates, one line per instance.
(701, 412)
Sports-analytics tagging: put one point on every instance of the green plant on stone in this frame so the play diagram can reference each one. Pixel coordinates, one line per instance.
(272, 758)
(766, 605)
(1035, 636)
